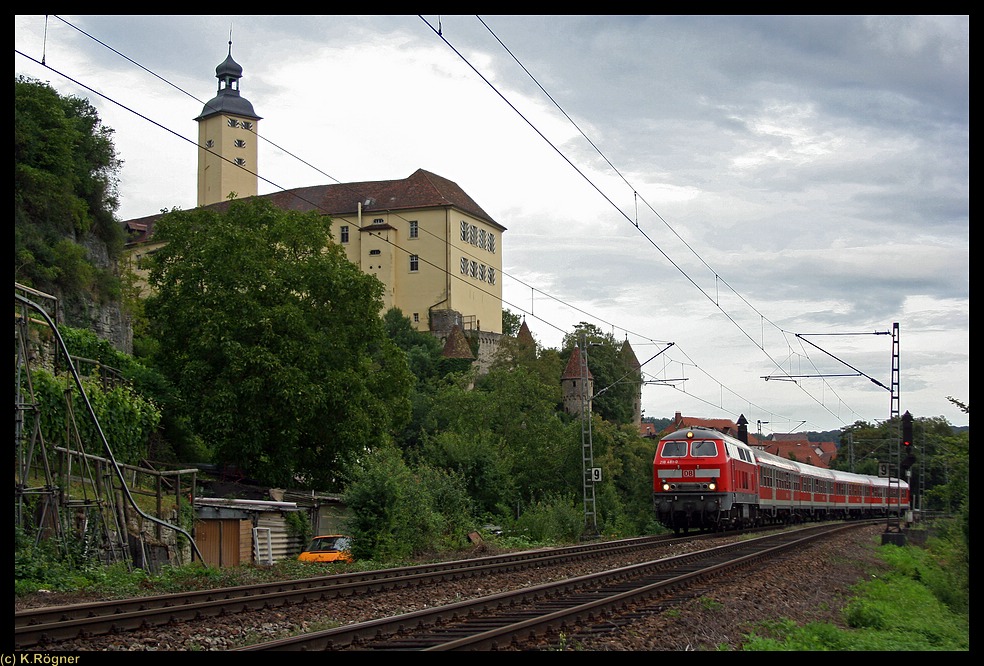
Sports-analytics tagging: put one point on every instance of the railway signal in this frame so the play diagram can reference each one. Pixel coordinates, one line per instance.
(908, 458)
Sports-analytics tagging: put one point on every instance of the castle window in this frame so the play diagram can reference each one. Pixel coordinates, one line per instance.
(473, 235)
(374, 252)
(344, 233)
(233, 122)
(490, 242)
(413, 228)
(378, 220)
(209, 143)
(414, 263)
(481, 272)
(464, 230)
(481, 238)
(239, 143)
(246, 125)
(416, 317)
(464, 266)
(473, 268)
(491, 275)
(240, 161)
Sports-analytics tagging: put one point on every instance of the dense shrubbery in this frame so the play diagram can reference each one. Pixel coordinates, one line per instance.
(399, 511)
(922, 604)
(126, 418)
(65, 178)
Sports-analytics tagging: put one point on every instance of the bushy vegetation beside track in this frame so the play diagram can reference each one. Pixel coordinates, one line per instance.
(923, 604)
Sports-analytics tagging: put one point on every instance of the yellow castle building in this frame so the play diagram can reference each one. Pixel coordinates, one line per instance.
(435, 250)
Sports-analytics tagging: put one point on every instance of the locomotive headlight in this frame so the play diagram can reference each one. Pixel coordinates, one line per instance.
(712, 485)
(666, 486)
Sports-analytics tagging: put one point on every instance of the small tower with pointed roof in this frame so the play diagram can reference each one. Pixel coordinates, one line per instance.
(456, 346)
(525, 337)
(227, 138)
(635, 374)
(577, 384)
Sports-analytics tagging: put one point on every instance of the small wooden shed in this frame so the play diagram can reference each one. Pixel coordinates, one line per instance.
(230, 532)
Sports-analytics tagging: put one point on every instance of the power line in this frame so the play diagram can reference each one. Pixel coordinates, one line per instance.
(609, 200)
(533, 289)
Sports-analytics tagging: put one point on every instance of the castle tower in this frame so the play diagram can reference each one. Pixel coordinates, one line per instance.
(635, 369)
(525, 337)
(577, 384)
(456, 345)
(227, 138)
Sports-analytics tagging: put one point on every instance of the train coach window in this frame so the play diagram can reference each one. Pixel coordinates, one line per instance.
(674, 449)
(703, 449)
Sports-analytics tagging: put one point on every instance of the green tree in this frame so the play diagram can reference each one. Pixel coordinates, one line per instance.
(625, 500)
(482, 463)
(510, 322)
(276, 341)
(173, 439)
(514, 353)
(943, 461)
(126, 418)
(65, 177)
(399, 510)
(863, 446)
(423, 350)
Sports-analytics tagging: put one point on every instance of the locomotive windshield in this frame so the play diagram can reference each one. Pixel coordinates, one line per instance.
(677, 448)
(705, 448)
(674, 449)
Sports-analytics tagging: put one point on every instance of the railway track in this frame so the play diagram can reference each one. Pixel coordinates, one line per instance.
(534, 616)
(50, 625)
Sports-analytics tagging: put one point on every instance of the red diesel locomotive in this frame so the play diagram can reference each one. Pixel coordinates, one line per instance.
(704, 479)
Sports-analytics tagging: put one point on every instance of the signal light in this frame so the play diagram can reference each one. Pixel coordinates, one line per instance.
(908, 459)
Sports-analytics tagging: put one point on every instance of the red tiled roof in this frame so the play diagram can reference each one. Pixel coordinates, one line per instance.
(726, 426)
(801, 450)
(422, 189)
(721, 425)
(456, 345)
(524, 336)
(573, 369)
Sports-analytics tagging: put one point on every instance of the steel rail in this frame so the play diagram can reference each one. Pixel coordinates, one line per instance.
(499, 620)
(58, 623)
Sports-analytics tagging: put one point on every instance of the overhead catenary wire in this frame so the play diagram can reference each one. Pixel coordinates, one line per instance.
(717, 277)
(533, 289)
(520, 308)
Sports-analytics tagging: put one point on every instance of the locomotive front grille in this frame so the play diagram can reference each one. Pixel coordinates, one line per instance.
(676, 486)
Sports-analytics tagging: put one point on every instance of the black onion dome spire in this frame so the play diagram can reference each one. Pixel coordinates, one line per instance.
(228, 99)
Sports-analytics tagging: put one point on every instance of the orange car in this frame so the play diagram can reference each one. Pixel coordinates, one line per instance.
(328, 548)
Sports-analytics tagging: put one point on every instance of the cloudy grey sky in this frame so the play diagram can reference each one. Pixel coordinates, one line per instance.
(771, 194)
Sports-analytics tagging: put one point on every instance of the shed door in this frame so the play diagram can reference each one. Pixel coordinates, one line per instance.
(218, 541)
